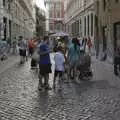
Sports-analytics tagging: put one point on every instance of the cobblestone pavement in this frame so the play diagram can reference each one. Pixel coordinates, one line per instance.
(98, 99)
(8, 62)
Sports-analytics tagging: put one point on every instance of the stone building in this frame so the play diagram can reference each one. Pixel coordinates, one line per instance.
(55, 17)
(79, 18)
(108, 29)
(17, 17)
(40, 22)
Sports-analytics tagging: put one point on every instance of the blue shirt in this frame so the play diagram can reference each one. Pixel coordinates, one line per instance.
(44, 59)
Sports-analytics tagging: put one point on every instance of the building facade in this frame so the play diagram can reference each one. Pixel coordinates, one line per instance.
(79, 18)
(40, 22)
(17, 17)
(108, 29)
(55, 16)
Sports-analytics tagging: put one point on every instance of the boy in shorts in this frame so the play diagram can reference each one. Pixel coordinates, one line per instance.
(59, 65)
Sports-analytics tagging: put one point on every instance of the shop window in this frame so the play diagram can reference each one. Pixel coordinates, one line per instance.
(116, 1)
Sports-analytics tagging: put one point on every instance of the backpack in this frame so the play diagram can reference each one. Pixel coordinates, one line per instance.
(31, 44)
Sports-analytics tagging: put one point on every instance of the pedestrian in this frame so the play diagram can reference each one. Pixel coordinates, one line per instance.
(9, 45)
(31, 46)
(73, 55)
(22, 44)
(35, 56)
(89, 44)
(3, 49)
(14, 45)
(44, 64)
(59, 66)
(117, 61)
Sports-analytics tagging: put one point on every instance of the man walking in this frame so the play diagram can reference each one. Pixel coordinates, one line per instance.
(22, 49)
(14, 45)
(44, 64)
(31, 47)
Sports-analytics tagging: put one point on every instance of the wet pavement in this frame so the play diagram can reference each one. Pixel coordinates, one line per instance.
(97, 99)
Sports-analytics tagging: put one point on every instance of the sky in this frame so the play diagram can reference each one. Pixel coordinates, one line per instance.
(40, 3)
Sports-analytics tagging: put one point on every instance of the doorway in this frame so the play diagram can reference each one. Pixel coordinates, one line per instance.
(116, 35)
(104, 38)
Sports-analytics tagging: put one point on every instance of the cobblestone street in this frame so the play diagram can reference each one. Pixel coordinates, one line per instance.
(98, 99)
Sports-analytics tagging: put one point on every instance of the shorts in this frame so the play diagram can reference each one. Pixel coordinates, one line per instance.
(33, 63)
(45, 69)
(73, 64)
(60, 73)
(22, 52)
(31, 51)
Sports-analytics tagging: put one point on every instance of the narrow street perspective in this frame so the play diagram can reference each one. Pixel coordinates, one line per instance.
(59, 60)
(96, 99)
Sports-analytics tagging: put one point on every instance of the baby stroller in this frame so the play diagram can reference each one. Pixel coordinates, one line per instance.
(84, 67)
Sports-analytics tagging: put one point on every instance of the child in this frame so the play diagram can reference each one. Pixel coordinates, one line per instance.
(59, 65)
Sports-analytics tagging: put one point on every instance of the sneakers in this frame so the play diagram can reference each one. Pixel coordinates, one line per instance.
(40, 87)
(116, 74)
(46, 87)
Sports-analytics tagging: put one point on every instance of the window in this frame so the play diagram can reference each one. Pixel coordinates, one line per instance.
(77, 27)
(51, 27)
(58, 6)
(116, 1)
(104, 38)
(4, 3)
(85, 26)
(91, 24)
(58, 26)
(58, 14)
(51, 14)
(51, 6)
(9, 6)
(80, 29)
(104, 4)
(88, 24)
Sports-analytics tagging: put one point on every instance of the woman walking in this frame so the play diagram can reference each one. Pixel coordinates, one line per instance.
(73, 55)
